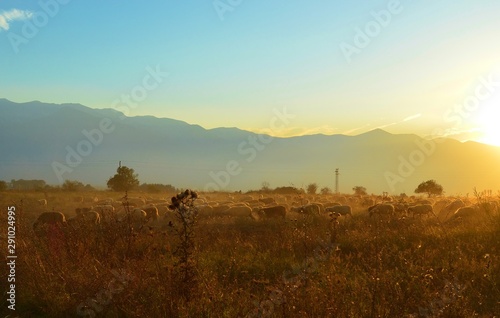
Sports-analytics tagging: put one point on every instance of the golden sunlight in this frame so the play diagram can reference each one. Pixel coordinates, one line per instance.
(490, 125)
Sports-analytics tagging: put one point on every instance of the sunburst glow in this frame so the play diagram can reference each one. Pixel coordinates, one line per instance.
(490, 125)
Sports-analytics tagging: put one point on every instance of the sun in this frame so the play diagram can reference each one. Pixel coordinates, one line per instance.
(489, 121)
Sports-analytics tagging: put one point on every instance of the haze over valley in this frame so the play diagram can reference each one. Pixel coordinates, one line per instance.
(73, 142)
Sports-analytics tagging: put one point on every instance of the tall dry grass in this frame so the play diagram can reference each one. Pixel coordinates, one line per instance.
(308, 267)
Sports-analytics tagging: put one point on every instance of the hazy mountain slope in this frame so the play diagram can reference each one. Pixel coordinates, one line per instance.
(36, 136)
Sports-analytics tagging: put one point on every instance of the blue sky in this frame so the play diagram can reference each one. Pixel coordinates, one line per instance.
(264, 55)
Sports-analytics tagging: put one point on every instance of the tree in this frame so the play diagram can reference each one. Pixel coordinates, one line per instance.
(22, 184)
(325, 191)
(288, 190)
(312, 188)
(124, 180)
(157, 188)
(265, 186)
(3, 185)
(430, 187)
(72, 185)
(359, 190)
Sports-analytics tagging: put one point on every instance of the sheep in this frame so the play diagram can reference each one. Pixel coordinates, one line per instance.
(82, 210)
(42, 202)
(238, 211)
(464, 212)
(367, 202)
(105, 211)
(205, 209)
(85, 218)
(450, 208)
(48, 218)
(321, 207)
(381, 209)
(137, 217)
(421, 209)
(107, 201)
(136, 201)
(400, 207)
(330, 204)
(340, 209)
(267, 200)
(151, 211)
(439, 205)
(90, 216)
(274, 212)
(311, 209)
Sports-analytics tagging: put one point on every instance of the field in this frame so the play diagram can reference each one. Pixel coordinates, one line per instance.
(229, 266)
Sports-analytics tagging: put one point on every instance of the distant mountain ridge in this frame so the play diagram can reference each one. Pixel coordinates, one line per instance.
(73, 142)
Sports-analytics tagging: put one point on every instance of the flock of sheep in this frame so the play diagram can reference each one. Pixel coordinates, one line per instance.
(155, 212)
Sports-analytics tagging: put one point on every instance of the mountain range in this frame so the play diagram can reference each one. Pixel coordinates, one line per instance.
(57, 142)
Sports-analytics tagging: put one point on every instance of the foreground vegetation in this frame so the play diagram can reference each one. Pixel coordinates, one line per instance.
(306, 266)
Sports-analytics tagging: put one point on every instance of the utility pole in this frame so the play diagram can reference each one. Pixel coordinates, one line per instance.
(337, 181)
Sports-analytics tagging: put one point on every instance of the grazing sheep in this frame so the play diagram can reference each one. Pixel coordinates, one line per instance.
(107, 201)
(220, 209)
(238, 211)
(42, 202)
(136, 201)
(105, 211)
(367, 202)
(246, 198)
(85, 218)
(152, 212)
(340, 209)
(137, 217)
(422, 202)
(321, 207)
(205, 209)
(464, 212)
(439, 205)
(422, 209)
(342, 200)
(274, 212)
(450, 209)
(329, 205)
(400, 208)
(381, 209)
(48, 218)
(90, 199)
(267, 200)
(310, 209)
(82, 210)
(91, 217)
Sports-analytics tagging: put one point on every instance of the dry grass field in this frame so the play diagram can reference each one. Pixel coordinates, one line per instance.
(226, 265)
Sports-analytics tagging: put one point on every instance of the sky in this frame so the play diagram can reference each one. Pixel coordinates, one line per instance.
(429, 68)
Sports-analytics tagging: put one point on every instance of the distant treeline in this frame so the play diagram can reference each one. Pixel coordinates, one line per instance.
(157, 188)
(279, 190)
(75, 186)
